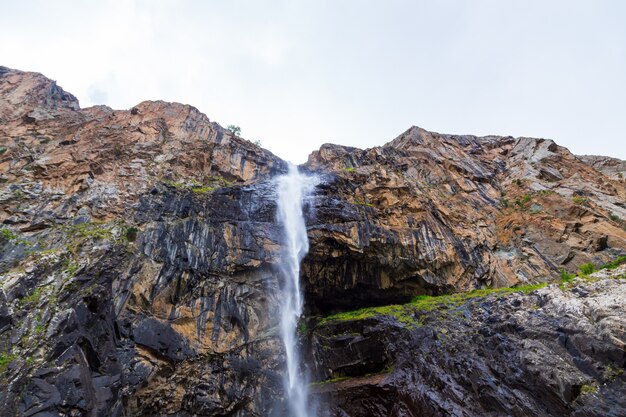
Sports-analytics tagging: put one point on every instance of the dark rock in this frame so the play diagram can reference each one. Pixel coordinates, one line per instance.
(504, 358)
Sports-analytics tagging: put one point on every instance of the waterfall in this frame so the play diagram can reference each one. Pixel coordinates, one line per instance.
(292, 189)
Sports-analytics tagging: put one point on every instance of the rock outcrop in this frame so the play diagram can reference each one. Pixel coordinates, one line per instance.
(139, 247)
(611, 167)
(137, 260)
(431, 213)
(553, 351)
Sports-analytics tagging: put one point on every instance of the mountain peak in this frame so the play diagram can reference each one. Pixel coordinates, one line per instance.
(31, 95)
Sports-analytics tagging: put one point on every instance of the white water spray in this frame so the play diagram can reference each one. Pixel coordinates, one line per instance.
(292, 189)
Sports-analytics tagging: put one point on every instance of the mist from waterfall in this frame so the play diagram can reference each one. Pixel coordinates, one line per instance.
(292, 189)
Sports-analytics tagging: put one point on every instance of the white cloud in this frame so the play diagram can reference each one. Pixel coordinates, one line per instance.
(298, 74)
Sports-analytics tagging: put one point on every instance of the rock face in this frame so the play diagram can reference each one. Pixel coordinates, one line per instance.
(138, 259)
(611, 167)
(555, 351)
(432, 213)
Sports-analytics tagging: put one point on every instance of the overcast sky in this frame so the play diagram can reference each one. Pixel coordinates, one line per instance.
(296, 74)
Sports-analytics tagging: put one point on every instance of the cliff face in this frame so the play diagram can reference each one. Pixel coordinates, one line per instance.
(136, 259)
(431, 213)
(138, 266)
(556, 350)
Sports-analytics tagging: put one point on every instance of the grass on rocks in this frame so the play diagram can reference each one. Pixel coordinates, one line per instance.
(404, 313)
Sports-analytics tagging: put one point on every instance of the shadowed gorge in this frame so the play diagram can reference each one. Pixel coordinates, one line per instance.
(141, 254)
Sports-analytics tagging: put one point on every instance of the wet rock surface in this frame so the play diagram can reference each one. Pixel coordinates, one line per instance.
(138, 257)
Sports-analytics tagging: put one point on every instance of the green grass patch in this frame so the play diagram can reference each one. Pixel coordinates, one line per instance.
(587, 269)
(202, 190)
(588, 389)
(33, 298)
(40, 328)
(525, 199)
(92, 230)
(405, 313)
(566, 276)
(5, 360)
(580, 201)
(302, 327)
(70, 268)
(611, 372)
(349, 169)
(8, 234)
(614, 264)
(175, 184)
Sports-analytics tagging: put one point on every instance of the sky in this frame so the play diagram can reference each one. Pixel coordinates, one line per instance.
(295, 74)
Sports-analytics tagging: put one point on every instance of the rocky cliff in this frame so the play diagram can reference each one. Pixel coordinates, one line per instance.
(431, 213)
(139, 252)
(530, 351)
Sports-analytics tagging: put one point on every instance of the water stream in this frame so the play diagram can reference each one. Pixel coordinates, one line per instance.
(292, 189)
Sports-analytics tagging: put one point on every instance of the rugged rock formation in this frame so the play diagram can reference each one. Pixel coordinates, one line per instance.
(432, 213)
(138, 252)
(611, 167)
(136, 260)
(555, 351)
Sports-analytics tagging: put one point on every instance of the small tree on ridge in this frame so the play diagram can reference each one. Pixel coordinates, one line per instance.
(235, 129)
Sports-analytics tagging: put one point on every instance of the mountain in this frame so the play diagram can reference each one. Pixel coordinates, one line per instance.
(139, 252)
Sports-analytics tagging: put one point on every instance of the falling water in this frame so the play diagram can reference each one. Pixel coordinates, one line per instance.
(292, 189)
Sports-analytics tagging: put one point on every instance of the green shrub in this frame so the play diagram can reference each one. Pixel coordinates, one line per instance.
(586, 269)
(588, 389)
(302, 327)
(131, 233)
(40, 328)
(5, 360)
(566, 276)
(34, 297)
(7, 234)
(614, 217)
(95, 230)
(611, 372)
(522, 201)
(71, 268)
(235, 129)
(579, 201)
